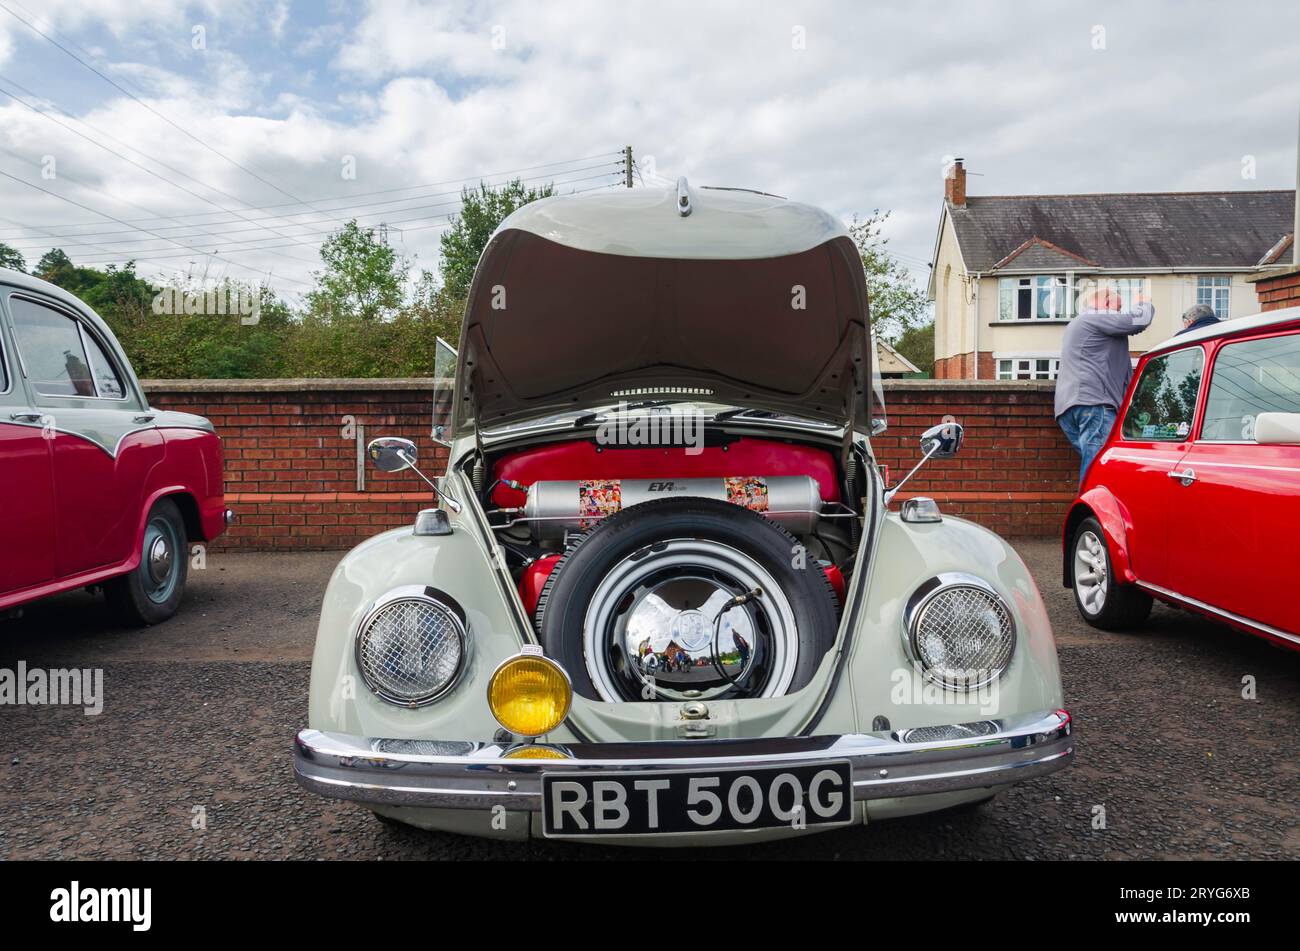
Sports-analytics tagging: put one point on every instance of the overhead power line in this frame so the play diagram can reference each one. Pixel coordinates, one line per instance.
(307, 236)
(94, 211)
(175, 125)
(485, 177)
(149, 257)
(352, 211)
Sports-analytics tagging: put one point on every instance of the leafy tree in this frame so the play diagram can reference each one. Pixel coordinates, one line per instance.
(11, 258)
(916, 343)
(363, 276)
(51, 262)
(482, 210)
(896, 301)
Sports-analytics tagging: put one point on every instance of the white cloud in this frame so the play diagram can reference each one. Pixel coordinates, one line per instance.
(860, 118)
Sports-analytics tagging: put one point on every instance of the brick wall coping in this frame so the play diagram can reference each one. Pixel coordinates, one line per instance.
(971, 386)
(326, 385)
(1276, 273)
(299, 385)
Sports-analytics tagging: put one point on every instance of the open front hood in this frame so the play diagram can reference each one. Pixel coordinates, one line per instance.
(748, 300)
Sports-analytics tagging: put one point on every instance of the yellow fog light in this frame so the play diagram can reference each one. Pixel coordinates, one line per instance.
(536, 752)
(529, 694)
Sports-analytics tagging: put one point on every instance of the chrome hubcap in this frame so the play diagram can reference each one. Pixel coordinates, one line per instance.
(660, 627)
(160, 568)
(160, 560)
(1090, 576)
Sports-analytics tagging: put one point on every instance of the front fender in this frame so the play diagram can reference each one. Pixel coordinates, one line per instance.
(457, 564)
(882, 681)
(1102, 504)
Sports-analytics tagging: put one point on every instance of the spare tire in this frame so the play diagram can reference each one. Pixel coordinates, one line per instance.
(645, 606)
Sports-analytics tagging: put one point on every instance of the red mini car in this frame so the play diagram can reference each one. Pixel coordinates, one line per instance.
(96, 488)
(1195, 498)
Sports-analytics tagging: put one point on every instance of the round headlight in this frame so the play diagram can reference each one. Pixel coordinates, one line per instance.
(529, 694)
(961, 631)
(411, 647)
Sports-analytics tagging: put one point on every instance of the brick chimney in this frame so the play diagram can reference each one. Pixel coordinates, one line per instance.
(954, 184)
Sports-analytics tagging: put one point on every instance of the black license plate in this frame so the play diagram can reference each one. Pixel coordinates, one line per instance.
(662, 802)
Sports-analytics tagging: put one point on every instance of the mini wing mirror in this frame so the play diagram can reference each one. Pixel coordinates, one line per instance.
(937, 442)
(942, 441)
(391, 453)
(1277, 429)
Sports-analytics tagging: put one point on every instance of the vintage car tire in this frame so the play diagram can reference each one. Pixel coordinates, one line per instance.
(141, 597)
(1110, 606)
(566, 596)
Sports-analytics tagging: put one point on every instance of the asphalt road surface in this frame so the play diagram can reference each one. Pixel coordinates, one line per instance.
(200, 713)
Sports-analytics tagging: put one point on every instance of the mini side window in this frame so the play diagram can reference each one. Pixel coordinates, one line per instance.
(1249, 378)
(1164, 400)
(60, 358)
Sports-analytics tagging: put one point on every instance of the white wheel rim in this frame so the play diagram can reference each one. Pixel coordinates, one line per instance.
(1091, 576)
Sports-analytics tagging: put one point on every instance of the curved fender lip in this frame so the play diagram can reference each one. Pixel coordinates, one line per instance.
(1115, 522)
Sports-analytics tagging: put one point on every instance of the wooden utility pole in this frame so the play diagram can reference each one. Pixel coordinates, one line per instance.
(627, 161)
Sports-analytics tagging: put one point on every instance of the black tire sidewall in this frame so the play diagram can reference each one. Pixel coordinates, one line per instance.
(1126, 606)
(567, 595)
(127, 593)
(1090, 524)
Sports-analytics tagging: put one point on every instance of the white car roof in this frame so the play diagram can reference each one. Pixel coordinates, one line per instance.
(723, 223)
(1233, 325)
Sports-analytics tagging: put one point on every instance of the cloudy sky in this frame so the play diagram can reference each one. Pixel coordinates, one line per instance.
(228, 137)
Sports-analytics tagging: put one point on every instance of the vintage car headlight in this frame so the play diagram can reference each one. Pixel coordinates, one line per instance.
(411, 645)
(529, 694)
(960, 631)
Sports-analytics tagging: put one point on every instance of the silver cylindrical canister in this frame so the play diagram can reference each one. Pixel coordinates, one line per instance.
(573, 506)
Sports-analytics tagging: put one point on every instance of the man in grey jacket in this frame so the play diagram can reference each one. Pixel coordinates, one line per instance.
(1095, 370)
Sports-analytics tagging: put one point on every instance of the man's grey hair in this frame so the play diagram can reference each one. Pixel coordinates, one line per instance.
(1193, 314)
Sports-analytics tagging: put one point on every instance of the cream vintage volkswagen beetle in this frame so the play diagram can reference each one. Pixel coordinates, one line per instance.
(661, 598)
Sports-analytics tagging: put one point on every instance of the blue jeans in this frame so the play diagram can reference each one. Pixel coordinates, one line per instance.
(1087, 428)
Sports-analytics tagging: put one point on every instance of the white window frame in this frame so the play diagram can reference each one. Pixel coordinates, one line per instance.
(1026, 366)
(1209, 288)
(1035, 284)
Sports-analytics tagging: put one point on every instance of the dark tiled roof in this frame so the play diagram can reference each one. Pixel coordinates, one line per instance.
(1174, 229)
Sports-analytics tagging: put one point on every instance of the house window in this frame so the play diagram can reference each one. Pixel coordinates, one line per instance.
(1028, 368)
(1214, 291)
(1037, 297)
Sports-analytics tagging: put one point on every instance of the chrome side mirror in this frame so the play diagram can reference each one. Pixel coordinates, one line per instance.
(391, 453)
(942, 441)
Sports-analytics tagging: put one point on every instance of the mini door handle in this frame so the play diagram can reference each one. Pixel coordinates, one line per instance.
(1186, 477)
(25, 417)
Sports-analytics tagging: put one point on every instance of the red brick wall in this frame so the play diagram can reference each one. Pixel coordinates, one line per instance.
(961, 366)
(1015, 474)
(1280, 291)
(291, 472)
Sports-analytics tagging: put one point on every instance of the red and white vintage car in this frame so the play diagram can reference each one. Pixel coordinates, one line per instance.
(99, 489)
(1195, 498)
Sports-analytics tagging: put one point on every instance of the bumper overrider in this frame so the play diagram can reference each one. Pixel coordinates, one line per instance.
(470, 775)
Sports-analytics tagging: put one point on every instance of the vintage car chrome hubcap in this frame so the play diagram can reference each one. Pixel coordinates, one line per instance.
(1090, 579)
(659, 627)
(160, 563)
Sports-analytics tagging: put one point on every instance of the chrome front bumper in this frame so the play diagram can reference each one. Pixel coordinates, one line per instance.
(468, 775)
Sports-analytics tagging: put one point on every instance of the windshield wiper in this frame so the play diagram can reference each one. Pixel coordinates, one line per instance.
(586, 419)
